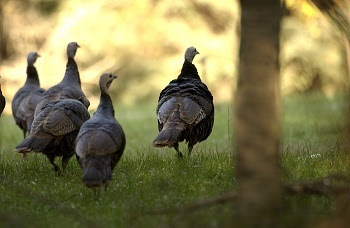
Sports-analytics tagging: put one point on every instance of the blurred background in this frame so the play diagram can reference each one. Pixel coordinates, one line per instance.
(143, 42)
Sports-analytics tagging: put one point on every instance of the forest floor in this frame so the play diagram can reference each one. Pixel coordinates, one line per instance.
(148, 179)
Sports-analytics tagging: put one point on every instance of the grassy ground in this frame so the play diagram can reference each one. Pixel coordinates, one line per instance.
(147, 178)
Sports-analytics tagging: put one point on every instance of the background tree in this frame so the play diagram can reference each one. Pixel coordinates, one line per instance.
(257, 117)
(338, 14)
(3, 35)
(337, 11)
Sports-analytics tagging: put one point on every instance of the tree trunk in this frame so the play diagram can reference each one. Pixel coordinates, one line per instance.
(257, 115)
(3, 36)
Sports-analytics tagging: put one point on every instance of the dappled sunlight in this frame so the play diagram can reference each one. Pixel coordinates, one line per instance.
(124, 36)
(304, 8)
(311, 59)
(143, 42)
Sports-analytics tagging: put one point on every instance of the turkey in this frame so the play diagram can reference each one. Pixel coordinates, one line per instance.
(185, 109)
(55, 129)
(101, 141)
(70, 86)
(27, 97)
(2, 101)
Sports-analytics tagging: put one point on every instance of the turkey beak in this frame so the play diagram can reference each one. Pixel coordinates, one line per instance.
(78, 45)
(39, 55)
(197, 52)
(115, 77)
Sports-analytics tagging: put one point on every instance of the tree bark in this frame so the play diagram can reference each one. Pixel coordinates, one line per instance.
(257, 112)
(3, 35)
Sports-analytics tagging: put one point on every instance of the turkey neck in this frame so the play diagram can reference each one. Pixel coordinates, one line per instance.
(189, 70)
(32, 76)
(106, 105)
(72, 77)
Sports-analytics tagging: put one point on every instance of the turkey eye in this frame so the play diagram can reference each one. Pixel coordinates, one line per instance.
(110, 76)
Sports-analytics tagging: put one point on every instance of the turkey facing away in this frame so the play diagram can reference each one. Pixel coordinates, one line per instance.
(55, 129)
(185, 109)
(2, 101)
(70, 86)
(101, 141)
(27, 97)
(59, 116)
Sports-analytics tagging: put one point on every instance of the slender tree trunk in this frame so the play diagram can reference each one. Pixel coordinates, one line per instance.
(347, 55)
(257, 117)
(3, 36)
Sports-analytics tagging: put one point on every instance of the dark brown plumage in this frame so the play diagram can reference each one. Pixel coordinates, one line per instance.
(27, 97)
(70, 86)
(54, 130)
(2, 101)
(101, 141)
(59, 116)
(185, 109)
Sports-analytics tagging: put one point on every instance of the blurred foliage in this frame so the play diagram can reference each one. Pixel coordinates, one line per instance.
(143, 42)
(313, 53)
(337, 11)
(311, 59)
(47, 7)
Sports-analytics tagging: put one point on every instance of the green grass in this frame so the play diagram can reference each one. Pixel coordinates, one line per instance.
(147, 178)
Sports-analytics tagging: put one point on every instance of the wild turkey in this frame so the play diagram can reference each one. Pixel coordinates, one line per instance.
(70, 86)
(185, 109)
(2, 101)
(101, 141)
(27, 97)
(59, 116)
(55, 129)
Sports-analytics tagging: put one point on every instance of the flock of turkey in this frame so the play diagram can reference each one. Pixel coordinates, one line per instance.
(59, 125)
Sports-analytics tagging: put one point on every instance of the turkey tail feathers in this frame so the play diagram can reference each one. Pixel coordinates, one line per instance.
(96, 172)
(33, 143)
(167, 137)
